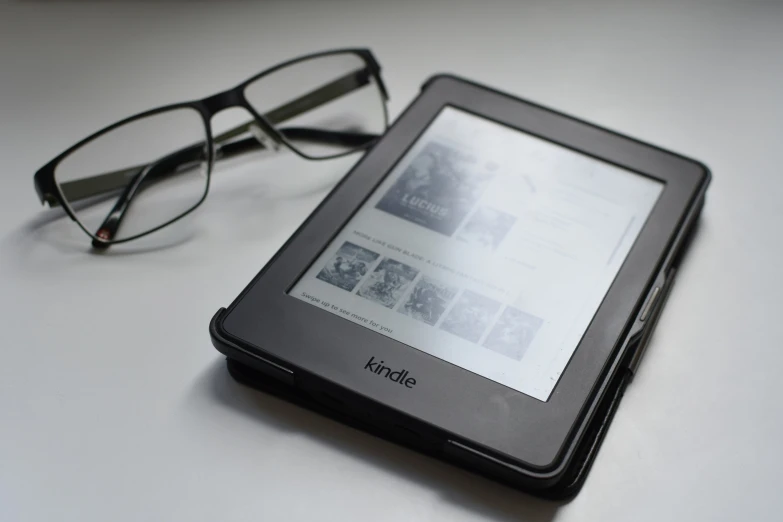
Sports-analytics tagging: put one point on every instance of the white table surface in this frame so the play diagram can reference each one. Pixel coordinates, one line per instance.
(113, 403)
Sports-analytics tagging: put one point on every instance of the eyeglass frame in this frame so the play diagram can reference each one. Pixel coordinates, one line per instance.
(49, 191)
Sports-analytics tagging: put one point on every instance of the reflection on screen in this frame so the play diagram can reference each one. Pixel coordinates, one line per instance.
(485, 247)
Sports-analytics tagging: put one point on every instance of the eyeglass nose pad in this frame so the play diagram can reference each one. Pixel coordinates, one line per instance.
(263, 138)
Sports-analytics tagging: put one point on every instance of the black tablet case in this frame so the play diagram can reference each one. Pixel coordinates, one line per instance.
(586, 451)
(567, 488)
(573, 479)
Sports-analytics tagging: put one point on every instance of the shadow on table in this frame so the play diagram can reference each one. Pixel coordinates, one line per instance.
(472, 492)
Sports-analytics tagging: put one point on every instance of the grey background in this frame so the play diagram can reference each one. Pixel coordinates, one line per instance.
(113, 404)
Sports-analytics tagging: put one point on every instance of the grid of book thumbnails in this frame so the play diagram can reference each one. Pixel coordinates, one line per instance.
(438, 191)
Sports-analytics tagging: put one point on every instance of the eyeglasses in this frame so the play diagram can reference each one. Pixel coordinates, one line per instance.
(147, 171)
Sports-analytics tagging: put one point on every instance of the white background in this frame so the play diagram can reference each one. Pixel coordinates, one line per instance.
(113, 404)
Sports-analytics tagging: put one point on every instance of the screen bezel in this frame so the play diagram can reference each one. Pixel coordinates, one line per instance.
(454, 399)
(372, 203)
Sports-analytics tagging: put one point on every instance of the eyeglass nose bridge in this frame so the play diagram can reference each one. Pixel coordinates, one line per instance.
(234, 98)
(222, 101)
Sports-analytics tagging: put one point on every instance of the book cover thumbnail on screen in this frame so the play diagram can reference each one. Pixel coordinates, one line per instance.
(437, 190)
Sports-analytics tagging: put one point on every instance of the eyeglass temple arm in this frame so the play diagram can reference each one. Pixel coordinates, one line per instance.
(327, 137)
(101, 183)
(308, 101)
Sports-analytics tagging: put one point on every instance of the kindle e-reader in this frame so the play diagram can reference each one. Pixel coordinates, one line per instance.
(480, 286)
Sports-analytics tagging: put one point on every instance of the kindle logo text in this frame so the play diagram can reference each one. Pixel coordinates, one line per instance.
(401, 377)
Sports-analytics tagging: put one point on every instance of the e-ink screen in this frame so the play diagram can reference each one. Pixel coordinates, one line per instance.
(485, 247)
